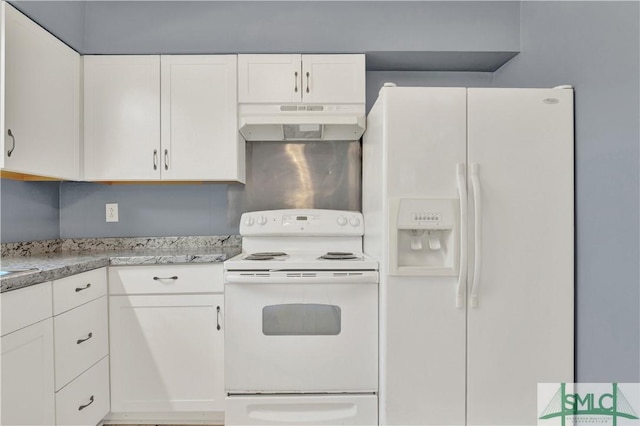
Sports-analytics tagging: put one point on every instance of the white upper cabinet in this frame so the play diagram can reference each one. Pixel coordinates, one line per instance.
(199, 118)
(333, 79)
(269, 78)
(122, 117)
(41, 100)
(181, 126)
(328, 79)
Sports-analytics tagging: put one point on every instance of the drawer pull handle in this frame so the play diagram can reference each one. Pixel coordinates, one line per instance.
(218, 317)
(175, 277)
(83, 288)
(82, 407)
(84, 340)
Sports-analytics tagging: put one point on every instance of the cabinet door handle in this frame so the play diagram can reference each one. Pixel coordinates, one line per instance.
(175, 277)
(295, 78)
(83, 288)
(155, 159)
(307, 81)
(13, 140)
(82, 407)
(218, 317)
(166, 159)
(89, 336)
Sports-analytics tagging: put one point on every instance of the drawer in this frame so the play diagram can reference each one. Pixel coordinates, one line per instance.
(25, 306)
(166, 279)
(77, 289)
(81, 339)
(85, 401)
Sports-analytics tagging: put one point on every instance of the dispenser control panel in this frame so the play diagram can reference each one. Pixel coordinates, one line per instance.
(431, 217)
(425, 213)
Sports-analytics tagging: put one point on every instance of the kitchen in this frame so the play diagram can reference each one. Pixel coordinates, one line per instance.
(429, 44)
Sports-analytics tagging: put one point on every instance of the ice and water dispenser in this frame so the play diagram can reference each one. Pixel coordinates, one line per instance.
(423, 238)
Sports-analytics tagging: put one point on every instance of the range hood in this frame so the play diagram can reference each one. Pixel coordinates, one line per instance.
(299, 122)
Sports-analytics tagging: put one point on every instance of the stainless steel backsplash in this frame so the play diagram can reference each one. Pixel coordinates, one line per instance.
(287, 175)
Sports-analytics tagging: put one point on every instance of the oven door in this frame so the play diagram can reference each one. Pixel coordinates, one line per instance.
(313, 333)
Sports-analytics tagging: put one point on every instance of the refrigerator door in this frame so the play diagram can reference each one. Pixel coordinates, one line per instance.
(416, 137)
(520, 331)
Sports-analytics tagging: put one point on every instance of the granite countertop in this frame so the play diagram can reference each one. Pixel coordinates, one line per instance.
(52, 266)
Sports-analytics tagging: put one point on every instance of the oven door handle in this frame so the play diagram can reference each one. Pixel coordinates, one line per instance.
(301, 277)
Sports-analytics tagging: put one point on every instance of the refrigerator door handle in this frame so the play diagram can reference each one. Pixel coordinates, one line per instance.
(477, 264)
(462, 193)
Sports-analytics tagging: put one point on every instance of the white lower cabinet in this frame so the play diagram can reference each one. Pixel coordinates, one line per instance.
(85, 401)
(81, 348)
(27, 375)
(166, 349)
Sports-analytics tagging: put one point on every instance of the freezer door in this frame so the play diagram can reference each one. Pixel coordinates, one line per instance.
(415, 140)
(520, 332)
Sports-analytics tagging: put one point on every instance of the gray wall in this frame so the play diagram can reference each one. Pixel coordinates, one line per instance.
(375, 80)
(29, 211)
(64, 19)
(595, 47)
(416, 34)
(143, 210)
(307, 26)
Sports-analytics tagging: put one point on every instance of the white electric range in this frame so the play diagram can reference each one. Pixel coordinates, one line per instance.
(301, 342)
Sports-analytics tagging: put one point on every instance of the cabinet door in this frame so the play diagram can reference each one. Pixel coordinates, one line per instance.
(122, 117)
(27, 376)
(42, 101)
(166, 353)
(333, 79)
(200, 119)
(521, 332)
(269, 79)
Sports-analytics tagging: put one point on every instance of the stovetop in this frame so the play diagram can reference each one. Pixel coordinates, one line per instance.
(302, 240)
(301, 260)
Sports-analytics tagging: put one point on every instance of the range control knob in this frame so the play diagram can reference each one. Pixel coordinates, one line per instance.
(248, 221)
(354, 221)
(262, 220)
(342, 221)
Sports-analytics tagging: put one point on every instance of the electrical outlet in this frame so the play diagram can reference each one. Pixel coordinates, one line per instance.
(112, 212)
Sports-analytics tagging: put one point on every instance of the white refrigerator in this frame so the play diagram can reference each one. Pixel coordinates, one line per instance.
(468, 204)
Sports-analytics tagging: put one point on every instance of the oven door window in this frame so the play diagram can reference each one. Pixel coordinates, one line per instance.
(301, 319)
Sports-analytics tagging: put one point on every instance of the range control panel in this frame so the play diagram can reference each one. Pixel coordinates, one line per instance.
(302, 222)
(300, 219)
